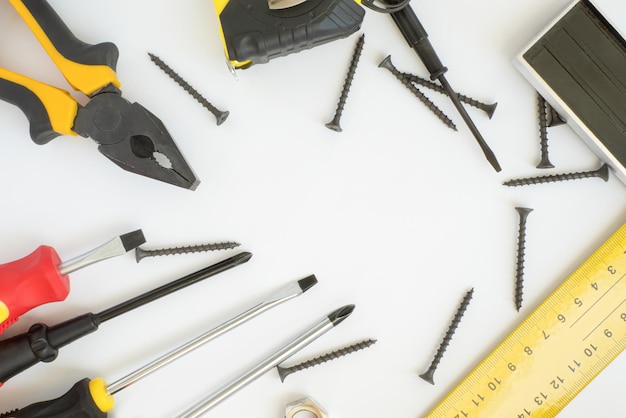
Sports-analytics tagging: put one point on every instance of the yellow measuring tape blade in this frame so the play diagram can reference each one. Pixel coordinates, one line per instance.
(557, 350)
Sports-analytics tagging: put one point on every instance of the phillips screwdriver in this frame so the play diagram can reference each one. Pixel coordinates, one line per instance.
(283, 353)
(41, 277)
(416, 36)
(94, 398)
(42, 343)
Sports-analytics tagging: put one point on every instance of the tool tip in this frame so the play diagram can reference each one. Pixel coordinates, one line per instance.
(132, 240)
(307, 283)
(243, 257)
(340, 314)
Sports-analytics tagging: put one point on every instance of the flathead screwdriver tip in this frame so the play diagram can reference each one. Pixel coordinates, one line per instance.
(133, 239)
(340, 314)
(307, 283)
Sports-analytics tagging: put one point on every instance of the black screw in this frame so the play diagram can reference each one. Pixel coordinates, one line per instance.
(543, 132)
(141, 253)
(602, 172)
(429, 374)
(386, 63)
(334, 124)
(554, 119)
(283, 372)
(521, 246)
(489, 109)
(219, 115)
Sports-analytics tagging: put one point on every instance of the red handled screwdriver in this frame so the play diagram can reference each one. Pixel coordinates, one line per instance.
(41, 277)
(42, 343)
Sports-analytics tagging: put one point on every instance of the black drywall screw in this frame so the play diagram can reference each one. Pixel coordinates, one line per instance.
(142, 253)
(521, 246)
(543, 132)
(283, 372)
(334, 124)
(429, 374)
(489, 109)
(554, 119)
(386, 63)
(220, 115)
(602, 172)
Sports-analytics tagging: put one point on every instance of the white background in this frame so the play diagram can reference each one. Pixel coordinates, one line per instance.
(397, 214)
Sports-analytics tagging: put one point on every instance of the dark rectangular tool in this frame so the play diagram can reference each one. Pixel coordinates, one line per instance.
(579, 65)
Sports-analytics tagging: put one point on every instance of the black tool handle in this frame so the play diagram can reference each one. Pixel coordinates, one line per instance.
(417, 37)
(41, 344)
(75, 403)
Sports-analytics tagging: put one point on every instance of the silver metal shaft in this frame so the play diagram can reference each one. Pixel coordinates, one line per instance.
(289, 292)
(115, 247)
(269, 363)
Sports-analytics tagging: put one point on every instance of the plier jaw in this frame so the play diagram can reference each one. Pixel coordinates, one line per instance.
(134, 139)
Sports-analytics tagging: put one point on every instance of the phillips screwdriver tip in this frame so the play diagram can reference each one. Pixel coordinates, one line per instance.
(340, 314)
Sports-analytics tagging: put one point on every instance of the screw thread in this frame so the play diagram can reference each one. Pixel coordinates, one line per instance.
(386, 63)
(142, 253)
(428, 375)
(334, 124)
(602, 172)
(487, 108)
(521, 249)
(543, 132)
(285, 371)
(220, 115)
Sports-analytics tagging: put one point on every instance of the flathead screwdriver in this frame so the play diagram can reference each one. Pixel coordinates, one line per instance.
(41, 277)
(42, 343)
(417, 37)
(94, 398)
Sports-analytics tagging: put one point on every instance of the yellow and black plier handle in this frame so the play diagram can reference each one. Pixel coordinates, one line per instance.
(87, 68)
(127, 133)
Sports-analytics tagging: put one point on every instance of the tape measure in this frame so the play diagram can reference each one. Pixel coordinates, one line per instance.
(557, 350)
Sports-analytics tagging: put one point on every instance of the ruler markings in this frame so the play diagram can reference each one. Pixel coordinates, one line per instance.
(604, 320)
(600, 298)
(543, 364)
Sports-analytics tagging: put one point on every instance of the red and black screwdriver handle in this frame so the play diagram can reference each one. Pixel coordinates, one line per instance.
(87, 68)
(30, 282)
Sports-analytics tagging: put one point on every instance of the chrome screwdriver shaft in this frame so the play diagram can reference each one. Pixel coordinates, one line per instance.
(287, 293)
(283, 353)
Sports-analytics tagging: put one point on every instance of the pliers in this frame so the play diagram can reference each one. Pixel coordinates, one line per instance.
(127, 133)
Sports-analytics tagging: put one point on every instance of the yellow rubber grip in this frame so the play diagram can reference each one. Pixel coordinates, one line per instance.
(100, 395)
(59, 105)
(4, 312)
(82, 77)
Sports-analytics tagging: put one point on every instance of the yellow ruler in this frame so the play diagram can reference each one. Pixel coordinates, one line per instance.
(557, 350)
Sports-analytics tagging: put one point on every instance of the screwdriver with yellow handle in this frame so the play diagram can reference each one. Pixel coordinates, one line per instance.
(94, 398)
(41, 277)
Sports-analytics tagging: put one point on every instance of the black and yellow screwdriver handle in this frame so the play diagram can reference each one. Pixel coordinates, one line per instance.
(254, 33)
(87, 68)
(86, 399)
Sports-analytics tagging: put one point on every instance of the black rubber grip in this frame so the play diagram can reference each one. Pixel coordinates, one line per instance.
(40, 127)
(41, 344)
(253, 32)
(76, 403)
(66, 43)
(417, 38)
